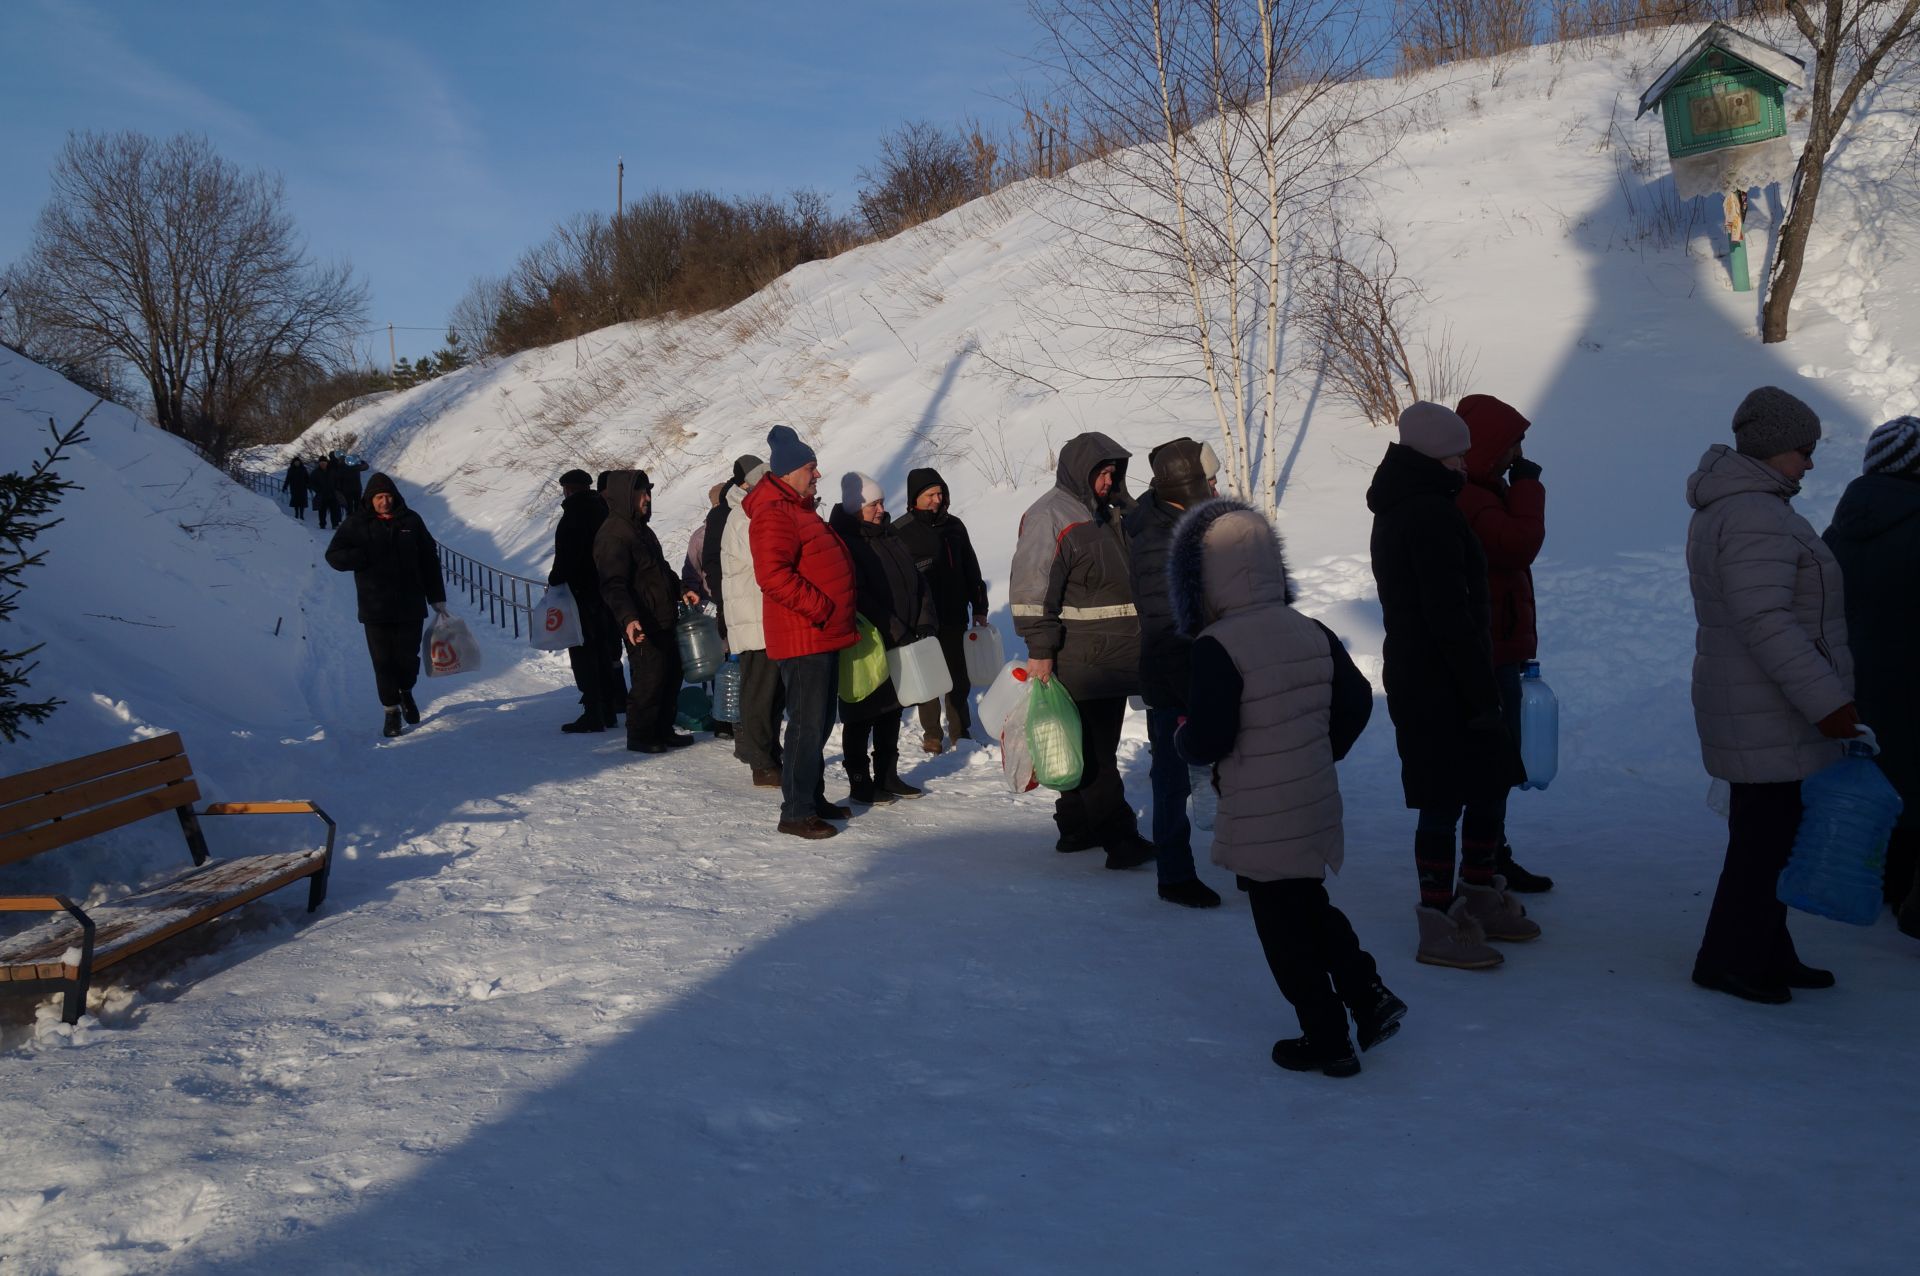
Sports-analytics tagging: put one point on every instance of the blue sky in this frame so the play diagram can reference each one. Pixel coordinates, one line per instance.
(429, 142)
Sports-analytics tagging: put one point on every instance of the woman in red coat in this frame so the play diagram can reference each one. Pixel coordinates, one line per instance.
(807, 586)
(1506, 506)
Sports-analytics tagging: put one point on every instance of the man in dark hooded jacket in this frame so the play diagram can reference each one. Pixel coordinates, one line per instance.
(396, 577)
(326, 502)
(944, 553)
(1073, 604)
(596, 661)
(643, 594)
(1179, 483)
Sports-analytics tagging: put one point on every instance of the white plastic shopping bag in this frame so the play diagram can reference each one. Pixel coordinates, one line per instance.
(556, 620)
(449, 647)
(1016, 760)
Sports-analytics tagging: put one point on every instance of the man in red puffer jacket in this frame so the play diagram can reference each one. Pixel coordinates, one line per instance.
(1506, 506)
(807, 585)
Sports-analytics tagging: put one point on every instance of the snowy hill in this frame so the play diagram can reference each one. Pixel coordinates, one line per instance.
(570, 1009)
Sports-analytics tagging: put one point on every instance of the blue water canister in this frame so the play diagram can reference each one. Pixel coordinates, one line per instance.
(726, 691)
(1840, 851)
(1539, 728)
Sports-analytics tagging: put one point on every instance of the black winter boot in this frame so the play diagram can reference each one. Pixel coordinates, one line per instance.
(408, 709)
(586, 724)
(894, 787)
(1378, 1016)
(1190, 894)
(391, 727)
(864, 791)
(1519, 879)
(1333, 1058)
(1130, 851)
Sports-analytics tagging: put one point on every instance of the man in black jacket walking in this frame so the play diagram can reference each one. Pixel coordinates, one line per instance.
(1179, 483)
(643, 593)
(396, 577)
(596, 661)
(944, 553)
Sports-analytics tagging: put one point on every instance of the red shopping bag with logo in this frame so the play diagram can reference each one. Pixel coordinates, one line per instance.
(449, 647)
(556, 620)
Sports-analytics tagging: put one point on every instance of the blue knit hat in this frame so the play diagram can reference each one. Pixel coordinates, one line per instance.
(1894, 448)
(787, 453)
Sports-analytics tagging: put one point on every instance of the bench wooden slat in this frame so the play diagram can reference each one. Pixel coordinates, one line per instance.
(139, 921)
(260, 808)
(79, 797)
(19, 846)
(78, 770)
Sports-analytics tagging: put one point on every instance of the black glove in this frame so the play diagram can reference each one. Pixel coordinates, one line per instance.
(1522, 468)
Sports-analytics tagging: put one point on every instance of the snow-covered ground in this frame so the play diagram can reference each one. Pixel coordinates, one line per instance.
(568, 1008)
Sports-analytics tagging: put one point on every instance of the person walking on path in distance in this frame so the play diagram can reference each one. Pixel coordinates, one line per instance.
(892, 595)
(944, 553)
(1456, 754)
(396, 577)
(1876, 538)
(295, 486)
(1073, 605)
(1179, 484)
(1272, 703)
(326, 502)
(1772, 680)
(807, 591)
(596, 661)
(1506, 506)
(763, 703)
(643, 594)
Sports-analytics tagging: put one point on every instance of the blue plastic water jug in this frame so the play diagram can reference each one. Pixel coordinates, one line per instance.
(1539, 728)
(726, 691)
(1840, 852)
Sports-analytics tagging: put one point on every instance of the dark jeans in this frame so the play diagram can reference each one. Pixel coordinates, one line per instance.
(655, 695)
(1313, 953)
(1097, 811)
(596, 665)
(395, 649)
(884, 731)
(324, 510)
(756, 737)
(1747, 928)
(1172, 786)
(953, 645)
(811, 684)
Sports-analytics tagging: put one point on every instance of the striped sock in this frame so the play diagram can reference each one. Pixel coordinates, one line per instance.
(1477, 860)
(1433, 857)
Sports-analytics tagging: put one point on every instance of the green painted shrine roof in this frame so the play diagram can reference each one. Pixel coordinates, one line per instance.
(1761, 56)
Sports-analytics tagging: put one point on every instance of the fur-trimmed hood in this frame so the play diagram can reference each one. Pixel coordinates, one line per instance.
(1226, 557)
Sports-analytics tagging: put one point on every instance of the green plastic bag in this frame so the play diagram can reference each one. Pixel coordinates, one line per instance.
(1053, 735)
(863, 666)
(694, 711)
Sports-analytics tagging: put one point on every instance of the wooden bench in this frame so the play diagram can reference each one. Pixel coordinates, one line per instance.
(69, 802)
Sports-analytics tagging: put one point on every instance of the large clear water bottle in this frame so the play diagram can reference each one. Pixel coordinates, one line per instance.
(1539, 728)
(700, 647)
(727, 690)
(1840, 850)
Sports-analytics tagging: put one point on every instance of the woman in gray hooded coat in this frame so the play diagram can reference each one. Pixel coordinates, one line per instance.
(1772, 680)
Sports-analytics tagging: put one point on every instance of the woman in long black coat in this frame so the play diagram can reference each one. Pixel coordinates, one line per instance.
(1876, 537)
(295, 486)
(1456, 755)
(396, 576)
(892, 594)
(943, 551)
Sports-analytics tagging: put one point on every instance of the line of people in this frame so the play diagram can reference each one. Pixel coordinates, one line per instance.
(332, 482)
(1182, 597)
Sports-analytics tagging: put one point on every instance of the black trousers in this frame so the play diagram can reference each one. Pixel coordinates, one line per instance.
(395, 649)
(1098, 809)
(1747, 929)
(763, 702)
(324, 510)
(953, 645)
(884, 732)
(1313, 953)
(596, 665)
(655, 694)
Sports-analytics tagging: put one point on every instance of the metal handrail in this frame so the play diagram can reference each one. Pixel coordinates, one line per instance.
(506, 600)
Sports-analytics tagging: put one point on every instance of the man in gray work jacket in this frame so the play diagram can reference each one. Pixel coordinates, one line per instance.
(1073, 604)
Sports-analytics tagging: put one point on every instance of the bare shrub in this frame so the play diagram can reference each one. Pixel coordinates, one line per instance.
(1353, 304)
(1436, 32)
(922, 171)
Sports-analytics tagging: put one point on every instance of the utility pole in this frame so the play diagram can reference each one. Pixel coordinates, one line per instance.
(619, 187)
(393, 359)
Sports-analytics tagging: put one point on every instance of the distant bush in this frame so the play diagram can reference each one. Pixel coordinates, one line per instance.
(923, 171)
(1436, 32)
(1576, 19)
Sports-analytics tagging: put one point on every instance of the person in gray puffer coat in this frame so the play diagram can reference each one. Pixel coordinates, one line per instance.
(1772, 679)
(1072, 601)
(1273, 701)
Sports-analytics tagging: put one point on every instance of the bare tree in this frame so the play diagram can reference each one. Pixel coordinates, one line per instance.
(190, 270)
(923, 171)
(1244, 123)
(1853, 41)
(1435, 32)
